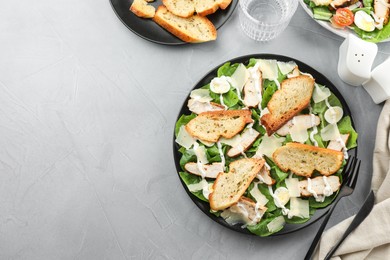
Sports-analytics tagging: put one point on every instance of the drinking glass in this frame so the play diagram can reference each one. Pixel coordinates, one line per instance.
(263, 20)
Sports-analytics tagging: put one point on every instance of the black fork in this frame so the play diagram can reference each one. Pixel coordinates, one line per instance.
(350, 176)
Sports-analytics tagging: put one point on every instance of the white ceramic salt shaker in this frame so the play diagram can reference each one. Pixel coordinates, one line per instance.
(378, 86)
(356, 57)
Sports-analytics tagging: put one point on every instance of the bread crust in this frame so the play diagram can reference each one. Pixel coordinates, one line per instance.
(210, 126)
(302, 159)
(228, 189)
(182, 35)
(141, 10)
(170, 5)
(273, 121)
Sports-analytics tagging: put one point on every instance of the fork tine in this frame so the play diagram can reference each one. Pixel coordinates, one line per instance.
(351, 170)
(355, 175)
(347, 167)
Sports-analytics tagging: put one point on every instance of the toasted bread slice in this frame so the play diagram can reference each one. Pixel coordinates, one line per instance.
(182, 8)
(210, 126)
(318, 185)
(303, 159)
(206, 7)
(142, 9)
(192, 29)
(229, 187)
(293, 96)
(211, 170)
(342, 3)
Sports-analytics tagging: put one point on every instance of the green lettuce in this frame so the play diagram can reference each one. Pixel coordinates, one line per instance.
(192, 179)
(345, 127)
(183, 120)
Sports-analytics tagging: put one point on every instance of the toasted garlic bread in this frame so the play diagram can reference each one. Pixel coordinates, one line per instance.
(229, 187)
(142, 9)
(318, 185)
(293, 96)
(210, 126)
(206, 7)
(182, 8)
(192, 29)
(210, 170)
(303, 159)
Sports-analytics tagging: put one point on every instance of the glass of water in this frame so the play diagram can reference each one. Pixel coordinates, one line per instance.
(263, 20)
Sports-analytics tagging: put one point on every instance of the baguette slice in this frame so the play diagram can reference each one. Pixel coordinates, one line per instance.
(182, 8)
(192, 29)
(303, 159)
(293, 96)
(210, 126)
(229, 187)
(142, 9)
(206, 7)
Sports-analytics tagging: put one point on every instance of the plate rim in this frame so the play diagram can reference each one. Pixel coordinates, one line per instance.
(204, 206)
(326, 25)
(178, 42)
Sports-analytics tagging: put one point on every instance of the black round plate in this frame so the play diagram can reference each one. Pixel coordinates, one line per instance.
(321, 79)
(151, 31)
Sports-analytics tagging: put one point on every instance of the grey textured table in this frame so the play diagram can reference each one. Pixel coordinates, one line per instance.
(86, 121)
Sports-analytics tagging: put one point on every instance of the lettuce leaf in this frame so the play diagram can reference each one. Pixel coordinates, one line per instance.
(269, 89)
(183, 120)
(227, 69)
(345, 127)
(192, 179)
(261, 228)
(374, 36)
(187, 156)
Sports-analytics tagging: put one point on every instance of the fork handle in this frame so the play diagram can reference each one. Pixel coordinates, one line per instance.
(360, 216)
(321, 230)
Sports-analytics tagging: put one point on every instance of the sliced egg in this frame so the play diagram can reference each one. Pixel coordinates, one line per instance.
(283, 196)
(220, 85)
(364, 21)
(333, 115)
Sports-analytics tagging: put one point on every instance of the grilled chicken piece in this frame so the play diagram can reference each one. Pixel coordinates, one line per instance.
(247, 139)
(251, 98)
(211, 170)
(382, 9)
(303, 119)
(318, 185)
(336, 145)
(199, 107)
(265, 176)
(244, 211)
(342, 3)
